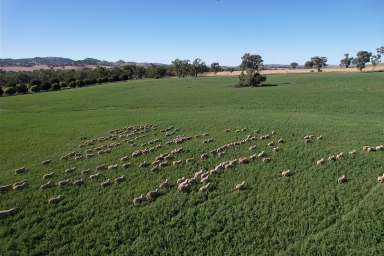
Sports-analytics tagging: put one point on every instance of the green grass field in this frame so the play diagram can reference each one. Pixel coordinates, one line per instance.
(305, 214)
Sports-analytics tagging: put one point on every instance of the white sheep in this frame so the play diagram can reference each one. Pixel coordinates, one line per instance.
(8, 212)
(152, 195)
(240, 186)
(56, 199)
(164, 184)
(205, 188)
(342, 179)
(20, 185)
(106, 183)
(46, 185)
(21, 170)
(139, 200)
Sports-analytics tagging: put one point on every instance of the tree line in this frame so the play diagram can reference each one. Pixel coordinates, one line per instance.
(12, 83)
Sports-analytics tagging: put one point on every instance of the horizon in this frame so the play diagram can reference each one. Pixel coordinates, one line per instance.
(212, 30)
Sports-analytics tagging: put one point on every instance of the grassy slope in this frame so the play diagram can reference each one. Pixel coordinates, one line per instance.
(305, 214)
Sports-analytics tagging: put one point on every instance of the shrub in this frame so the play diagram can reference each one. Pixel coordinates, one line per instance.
(63, 84)
(252, 79)
(21, 89)
(1, 91)
(10, 84)
(35, 88)
(123, 77)
(72, 84)
(9, 90)
(79, 83)
(35, 82)
(46, 86)
(55, 87)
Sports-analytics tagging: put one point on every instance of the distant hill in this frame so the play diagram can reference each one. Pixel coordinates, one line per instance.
(59, 61)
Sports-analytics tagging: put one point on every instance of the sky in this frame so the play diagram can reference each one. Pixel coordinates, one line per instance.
(159, 31)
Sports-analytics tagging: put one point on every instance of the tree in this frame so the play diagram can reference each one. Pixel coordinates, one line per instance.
(21, 89)
(319, 62)
(346, 61)
(375, 59)
(308, 64)
(215, 67)
(250, 67)
(198, 66)
(362, 57)
(380, 51)
(294, 65)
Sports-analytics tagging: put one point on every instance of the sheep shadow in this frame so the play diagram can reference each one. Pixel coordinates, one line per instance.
(263, 85)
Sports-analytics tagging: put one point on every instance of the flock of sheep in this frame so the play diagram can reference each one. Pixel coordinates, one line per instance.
(203, 180)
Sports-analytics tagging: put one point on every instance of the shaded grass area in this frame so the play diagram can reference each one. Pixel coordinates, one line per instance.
(306, 214)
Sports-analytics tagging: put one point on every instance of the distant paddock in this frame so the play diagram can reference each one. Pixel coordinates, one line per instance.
(298, 71)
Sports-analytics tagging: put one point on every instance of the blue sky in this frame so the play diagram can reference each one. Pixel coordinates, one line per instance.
(214, 30)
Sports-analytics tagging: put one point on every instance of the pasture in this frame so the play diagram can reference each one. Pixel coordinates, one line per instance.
(306, 213)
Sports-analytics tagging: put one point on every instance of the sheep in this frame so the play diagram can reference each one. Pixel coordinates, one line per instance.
(70, 170)
(243, 160)
(352, 152)
(286, 173)
(126, 165)
(266, 159)
(45, 162)
(174, 163)
(184, 185)
(113, 166)
(273, 132)
(227, 130)
(320, 137)
(204, 179)
(262, 154)
(94, 176)
(220, 154)
(379, 148)
(164, 184)
(48, 175)
(21, 170)
(6, 188)
(340, 156)
(240, 186)
(152, 195)
(85, 172)
(281, 141)
(19, 185)
(253, 147)
(78, 182)
(205, 188)
(119, 179)
(124, 158)
(106, 183)
(271, 144)
(164, 164)
(380, 179)
(8, 212)
(320, 162)
(180, 180)
(55, 200)
(342, 179)
(139, 200)
(63, 182)
(253, 156)
(46, 185)
(332, 158)
(101, 167)
(275, 149)
(144, 164)
(204, 156)
(89, 155)
(189, 160)
(198, 174)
